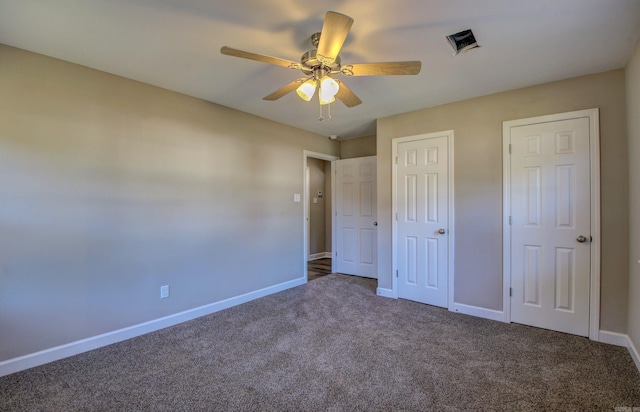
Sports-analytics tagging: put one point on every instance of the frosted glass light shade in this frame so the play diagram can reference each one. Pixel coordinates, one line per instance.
(307, 90)
(324, 100)
(328, 89)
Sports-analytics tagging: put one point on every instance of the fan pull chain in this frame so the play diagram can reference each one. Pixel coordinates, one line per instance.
(321, 118)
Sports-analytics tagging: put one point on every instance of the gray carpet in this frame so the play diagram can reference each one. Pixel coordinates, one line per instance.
(333, 345)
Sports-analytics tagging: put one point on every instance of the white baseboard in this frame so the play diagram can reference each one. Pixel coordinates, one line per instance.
(74, 348)
(385, 293)
(477, 311)
(620, 339)
(613, 338)
(634, 353)
(321, 255)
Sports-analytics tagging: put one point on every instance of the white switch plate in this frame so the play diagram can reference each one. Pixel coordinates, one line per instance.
(164, 291)
(296, 197)
(315, 200)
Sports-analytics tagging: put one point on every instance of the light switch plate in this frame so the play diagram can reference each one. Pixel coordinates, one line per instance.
(296, 197)
(164, 291)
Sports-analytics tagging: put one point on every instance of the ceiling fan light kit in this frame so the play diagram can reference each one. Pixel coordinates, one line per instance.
(324, 62)
(328, 89)
(307, 89)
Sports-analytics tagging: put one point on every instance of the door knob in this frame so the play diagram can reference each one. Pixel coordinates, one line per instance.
(581, 239)
(375, 223)
(442, 231)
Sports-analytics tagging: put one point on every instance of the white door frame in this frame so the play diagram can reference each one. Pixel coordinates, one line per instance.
(594, 165)
(394, 210)
(305, 206)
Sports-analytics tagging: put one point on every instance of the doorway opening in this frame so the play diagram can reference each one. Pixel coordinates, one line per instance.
(318, 268)
(318, 214)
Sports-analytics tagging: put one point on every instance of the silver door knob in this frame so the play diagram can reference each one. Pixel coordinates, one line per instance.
(375, 223)
(581, 239)
(442, 231)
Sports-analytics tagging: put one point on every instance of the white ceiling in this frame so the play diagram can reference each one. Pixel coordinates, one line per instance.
(175, 44)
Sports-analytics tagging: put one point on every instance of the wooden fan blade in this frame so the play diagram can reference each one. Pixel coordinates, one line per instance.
(346, 96)
(285, 90)
(259, 57)
(334, 32)
(382, 69)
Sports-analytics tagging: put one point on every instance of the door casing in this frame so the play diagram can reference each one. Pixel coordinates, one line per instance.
(594, 154)
(450, 199)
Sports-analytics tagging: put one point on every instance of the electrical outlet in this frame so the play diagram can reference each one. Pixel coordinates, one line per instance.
(164, 291)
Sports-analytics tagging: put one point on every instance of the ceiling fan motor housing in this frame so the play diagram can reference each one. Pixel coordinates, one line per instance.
(310, 63)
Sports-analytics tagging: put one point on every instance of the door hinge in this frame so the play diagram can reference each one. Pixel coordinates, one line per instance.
(509, 148)
(510, 292)
(396, 159)
(510, 220)
(396, 272)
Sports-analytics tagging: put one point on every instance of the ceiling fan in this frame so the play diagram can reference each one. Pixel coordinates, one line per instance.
(321, 64)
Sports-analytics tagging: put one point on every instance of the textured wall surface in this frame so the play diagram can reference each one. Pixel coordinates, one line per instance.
(359, 147)
(112, 188)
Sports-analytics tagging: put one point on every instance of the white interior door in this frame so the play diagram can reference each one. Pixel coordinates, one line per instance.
(356, 249)
(551, 225)
(422, 193)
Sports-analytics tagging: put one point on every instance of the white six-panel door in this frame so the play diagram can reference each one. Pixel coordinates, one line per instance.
(356, 251)
(551, 229)
(422, 221)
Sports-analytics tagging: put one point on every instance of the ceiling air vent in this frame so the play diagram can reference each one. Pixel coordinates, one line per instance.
(463, 41)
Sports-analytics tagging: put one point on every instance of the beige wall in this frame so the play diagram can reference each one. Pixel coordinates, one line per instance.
(633, 125)
(477, 124)
(112, 188)
(358, 147)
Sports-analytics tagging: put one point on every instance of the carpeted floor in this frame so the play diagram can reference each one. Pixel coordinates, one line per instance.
(333, 345)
